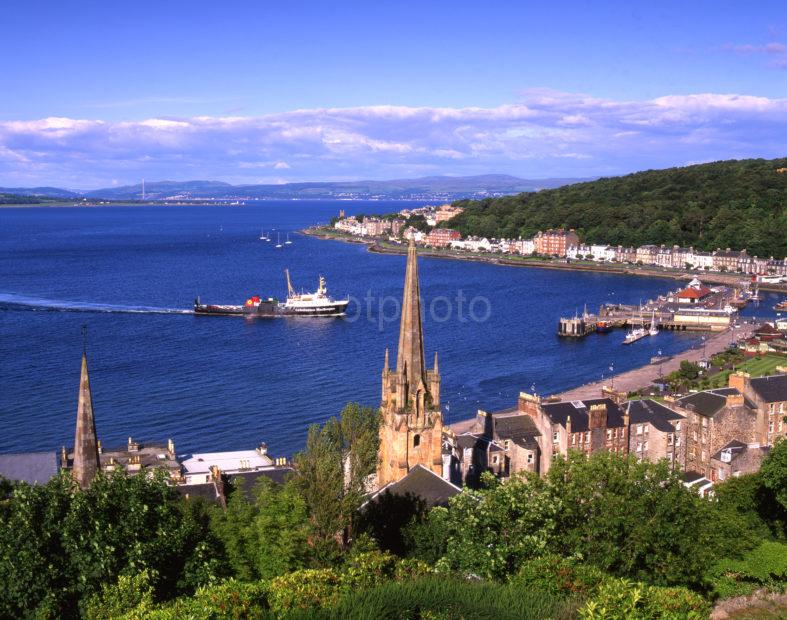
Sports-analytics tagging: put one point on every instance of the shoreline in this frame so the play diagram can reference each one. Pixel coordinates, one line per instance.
(644, 376)
(503, 260)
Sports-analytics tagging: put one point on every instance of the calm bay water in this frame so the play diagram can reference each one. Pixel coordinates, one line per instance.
(223, 383)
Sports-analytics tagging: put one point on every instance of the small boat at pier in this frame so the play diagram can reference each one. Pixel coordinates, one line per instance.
(634, 334)
(603, 327)
(654, 327)
(781, 306)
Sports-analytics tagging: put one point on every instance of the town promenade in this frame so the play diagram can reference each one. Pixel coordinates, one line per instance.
(645, 375)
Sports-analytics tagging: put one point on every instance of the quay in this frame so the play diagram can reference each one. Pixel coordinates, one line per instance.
(694, 308)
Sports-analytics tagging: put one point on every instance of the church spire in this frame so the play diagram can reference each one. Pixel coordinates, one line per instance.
(86, 461)
(411, 338)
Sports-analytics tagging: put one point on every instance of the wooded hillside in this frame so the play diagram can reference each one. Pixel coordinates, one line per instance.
(735, 204)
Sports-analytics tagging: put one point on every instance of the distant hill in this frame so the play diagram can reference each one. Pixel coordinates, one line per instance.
(735, 204)
(426, 188)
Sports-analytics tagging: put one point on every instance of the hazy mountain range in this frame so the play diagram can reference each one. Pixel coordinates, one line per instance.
(426, 188)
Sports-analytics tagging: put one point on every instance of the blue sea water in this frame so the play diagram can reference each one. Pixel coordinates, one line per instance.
(131, 273)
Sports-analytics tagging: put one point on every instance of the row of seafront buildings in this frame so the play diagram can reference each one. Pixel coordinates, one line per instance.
(710, 435)
(561, 243)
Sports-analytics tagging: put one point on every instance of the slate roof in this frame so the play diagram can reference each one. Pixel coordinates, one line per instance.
(424, 483)
(472, 441)
(771, 389)
(514, 426)
(206, 490)
(736, 449)
(250, 478)
(30, 467)
(559, 412)
(710, 402)
(652, 412)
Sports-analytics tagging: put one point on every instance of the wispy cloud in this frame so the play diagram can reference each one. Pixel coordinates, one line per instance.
(545, 133)
(775, 52)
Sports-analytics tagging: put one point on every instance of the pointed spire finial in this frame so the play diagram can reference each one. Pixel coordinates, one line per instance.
(86, 459)
(411, 338)
(436, 365)
(385, 365)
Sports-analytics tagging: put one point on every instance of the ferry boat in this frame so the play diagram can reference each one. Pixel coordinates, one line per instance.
(781, 306)
(296, 304)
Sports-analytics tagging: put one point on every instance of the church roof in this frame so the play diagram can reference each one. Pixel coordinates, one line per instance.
(424, 483)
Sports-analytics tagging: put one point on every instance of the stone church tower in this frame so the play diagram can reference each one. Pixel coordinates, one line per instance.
(86, 459)
(411, 429)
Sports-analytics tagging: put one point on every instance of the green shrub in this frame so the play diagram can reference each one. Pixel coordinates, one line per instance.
(231, 599)
(447, 598)
(306, 589)
(558, 576)
(765, 566)
(620, 599)
(130, 592)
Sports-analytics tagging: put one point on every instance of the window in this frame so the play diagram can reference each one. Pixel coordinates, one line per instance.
(495, 459)
(639, 446)
(587, 437)
(677, 425)
(677, 442)
(507, 444)
(670, 439)
(609, 433)
(770, 426)
(416, 441)
(639, 429)
(529, 457)
(694, 434)
(704, 455)
(573, 439)
(555, 437)
(772, 408)
(704, 422)
(645, 445)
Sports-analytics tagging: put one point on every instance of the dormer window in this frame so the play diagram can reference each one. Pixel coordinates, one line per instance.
(416, 441)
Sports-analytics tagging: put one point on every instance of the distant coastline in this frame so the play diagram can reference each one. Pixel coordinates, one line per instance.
(512, 261)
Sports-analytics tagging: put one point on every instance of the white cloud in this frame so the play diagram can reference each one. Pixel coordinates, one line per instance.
(546, 133)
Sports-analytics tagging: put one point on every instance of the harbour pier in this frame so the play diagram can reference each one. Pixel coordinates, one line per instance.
(694, 308)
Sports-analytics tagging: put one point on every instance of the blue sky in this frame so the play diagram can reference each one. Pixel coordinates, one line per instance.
(101, 93)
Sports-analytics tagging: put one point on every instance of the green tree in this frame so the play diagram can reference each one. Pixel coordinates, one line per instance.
(267, 535)
(491, 531)
(334, 470)
(59, 545)
(774, 472)
(632, 519)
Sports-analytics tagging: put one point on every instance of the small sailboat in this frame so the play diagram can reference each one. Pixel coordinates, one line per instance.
(278, 241)
(654, 328)
(288, 242)
(262, 235)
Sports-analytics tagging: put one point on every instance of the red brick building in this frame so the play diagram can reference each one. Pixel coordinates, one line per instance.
(555, 242)
(442, 237)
